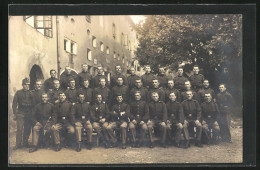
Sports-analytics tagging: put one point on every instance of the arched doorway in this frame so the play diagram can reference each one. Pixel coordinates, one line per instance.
(35, 73)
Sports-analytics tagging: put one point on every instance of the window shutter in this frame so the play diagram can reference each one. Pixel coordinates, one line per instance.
(68, 46)
(75, 48)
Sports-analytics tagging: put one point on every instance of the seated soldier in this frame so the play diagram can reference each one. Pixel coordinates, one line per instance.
(81, 119)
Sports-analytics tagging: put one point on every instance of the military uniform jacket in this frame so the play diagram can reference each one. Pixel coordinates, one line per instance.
(88, 92)
(114, 80)
(96, 79)
(147, 80)
(105, 92)
(177, 93)
(37, 96)
(197, 80)
(120, 90)
(23, 99)
(191, 110)
(139, 111)
(118, 108)
(99, 111)
(158, 111)
(80, 112)
(143, 92)
(131, 80)
(71, 95)
(184, 95)
(159, 90)
(210, 111)
(64, 80)
(225, 101)
(175, 112)
(42, 112)
(62, 112)
(201, 94)
(163, 80)
(48, 84)
(179, 82)
(84, 76)
(54, 95)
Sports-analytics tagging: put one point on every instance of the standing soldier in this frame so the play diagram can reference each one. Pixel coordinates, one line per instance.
(119, 117)
(192, 113)
(156, 88)
(87, 91)
(132, 78)
(225, 102)
(148, 77)
(71, 92)
(54, 93)
(80, 115)
(41, 116)
(116, 76)
(188, 88)
(138, 87)
(163, 79)
(61, 120)
(210, 114)
(48, 84)
(100, 116)
(22, 110)
(84, 75)
(104, 91)
(65, 78)
(170, 89)
(139, 112)
(180, 80)
(120, 89)
(37, 92)
(175, 119)
(205, 90)
(158, 118)
(96, 79)
(196, 79)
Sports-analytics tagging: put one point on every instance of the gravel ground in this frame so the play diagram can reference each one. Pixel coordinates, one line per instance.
(222, 153)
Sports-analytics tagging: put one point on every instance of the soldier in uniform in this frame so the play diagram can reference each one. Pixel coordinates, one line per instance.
(188, 88)
(100, 116)
(180, 80)
(37, 92)
(54, 93)
(148, 77)
(62, 118)
(116, 76)
(48, 84)
(225, 102)
(119, 117)
(65, 79)
(104, 91)
(163, 79)
(41, 119)
(120, 89)
(196, 79)
(171, 89)
(132, 78)
(71, 92)
(22, 110)
(158, 118)
(205, 90)
(96, 79)
(80, 117)
(192, 113)
(87, 91)
(210, 114)
(156, 88)
(138, 87)
(175, 119)
(139, 115)
(84, 75)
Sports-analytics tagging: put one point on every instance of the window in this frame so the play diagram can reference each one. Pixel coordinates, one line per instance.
(70, 46)
(89, 54)
(73, 48)
(101, 46)
(88, 18)
(94, 41)
(107, 51)
(114, 55)
(67, 47)
(114, 31)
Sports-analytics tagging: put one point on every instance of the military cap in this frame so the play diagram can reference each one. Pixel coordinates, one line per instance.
(26, 81)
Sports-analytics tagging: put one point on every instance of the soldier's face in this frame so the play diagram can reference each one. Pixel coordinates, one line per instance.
(120, 81)
(156, 83)
(118, 69)
(187, 85)
(147, 69)
(99, 98)
(119, 99)
(81, 98)
(103, 82)
(132, 71)
(172, 97)
(62, 97)
(100, 70)
(85, 68)
(86, 84)
(208, 97)
(138, 83)
(45, 98)
(38, 85)
(72, 84)
(53, 74)
(170, 84)
(161, 70)
(196, 70)
(56, 84)
(155, 97)
(68, 70)
(180, 71)
(189, 95)
(222, 88)
(26, 86)
(137, 96)
(206, 84)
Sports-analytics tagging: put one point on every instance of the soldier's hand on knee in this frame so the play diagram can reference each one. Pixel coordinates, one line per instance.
(179, 126)
(142, 122)
(38, 124)
(203, 122)
(197, 122)
(134, 121)
(186, 123)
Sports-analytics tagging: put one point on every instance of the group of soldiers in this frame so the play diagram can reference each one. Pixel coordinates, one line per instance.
(65, 110)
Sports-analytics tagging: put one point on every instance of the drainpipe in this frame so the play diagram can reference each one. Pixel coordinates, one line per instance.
(58, 46)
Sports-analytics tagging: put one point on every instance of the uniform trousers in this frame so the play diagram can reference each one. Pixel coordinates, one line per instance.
(101, 131)
(190, 125)
(37, 130)
(177, 128)
(62, 127)
(79, 125)
(123, 129)
(142, 128)
(207, 126)
(24, 128)
(151, 124)
(225, 124)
